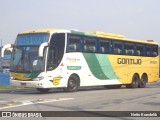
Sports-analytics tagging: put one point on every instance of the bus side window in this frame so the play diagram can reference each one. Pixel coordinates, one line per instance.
(155, 50)
(74, 44)
(117, 47)
(129, 48)
(104, 46)
(90, 45)
(148, 50)
(139, 50)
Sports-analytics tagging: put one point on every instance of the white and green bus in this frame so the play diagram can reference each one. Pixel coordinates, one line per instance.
(55, 58)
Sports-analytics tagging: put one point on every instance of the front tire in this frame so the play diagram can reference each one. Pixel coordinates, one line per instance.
(73, 84)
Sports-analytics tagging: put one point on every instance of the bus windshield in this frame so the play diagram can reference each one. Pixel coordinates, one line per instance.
(26, 59)
(25, 53)
(32, 39)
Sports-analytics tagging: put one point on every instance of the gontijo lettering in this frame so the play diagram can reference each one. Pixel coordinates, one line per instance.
(129, 61)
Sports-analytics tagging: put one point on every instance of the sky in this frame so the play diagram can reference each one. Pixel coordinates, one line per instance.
(136, 19)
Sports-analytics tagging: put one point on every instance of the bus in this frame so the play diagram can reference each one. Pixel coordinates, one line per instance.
(68, 59)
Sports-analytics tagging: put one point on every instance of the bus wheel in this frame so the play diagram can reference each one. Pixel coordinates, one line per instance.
(112, 86)
(73, 84)
(135, 82)
(143, 81)
(43, 90)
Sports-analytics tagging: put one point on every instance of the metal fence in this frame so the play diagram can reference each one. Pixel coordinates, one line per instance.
(4, 78)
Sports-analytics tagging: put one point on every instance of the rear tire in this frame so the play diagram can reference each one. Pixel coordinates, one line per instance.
(143, 81)
(135, 82)
(73, 84)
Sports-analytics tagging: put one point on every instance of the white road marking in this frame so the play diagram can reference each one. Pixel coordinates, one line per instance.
(28, 102)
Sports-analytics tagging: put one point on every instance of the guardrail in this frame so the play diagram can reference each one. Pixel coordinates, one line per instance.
(4, 78)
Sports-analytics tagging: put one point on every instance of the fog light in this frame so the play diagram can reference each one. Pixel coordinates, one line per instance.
(12, 78)
(38, 78)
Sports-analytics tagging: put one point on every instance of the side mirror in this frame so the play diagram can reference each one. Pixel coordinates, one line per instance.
(6, 47)
(41, 48)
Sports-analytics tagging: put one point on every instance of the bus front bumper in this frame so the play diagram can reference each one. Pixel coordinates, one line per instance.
(32, 84)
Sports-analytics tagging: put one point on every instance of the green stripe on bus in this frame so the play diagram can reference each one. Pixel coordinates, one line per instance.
(100, 66)
(31, 75)
(106, 66)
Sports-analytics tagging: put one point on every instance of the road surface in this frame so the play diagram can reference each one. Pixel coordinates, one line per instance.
(85, 99)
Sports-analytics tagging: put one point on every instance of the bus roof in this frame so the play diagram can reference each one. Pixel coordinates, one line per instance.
(50, 30)
(119, 37)
(90, 33)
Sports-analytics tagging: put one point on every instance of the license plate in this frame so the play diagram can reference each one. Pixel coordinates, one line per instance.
(23, 84)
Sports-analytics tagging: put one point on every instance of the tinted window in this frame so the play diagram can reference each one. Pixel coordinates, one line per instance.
(56, 50)
(154, 50)
(74, 44)
(117, 48)
(139, 50)
(104, 46)
(32, 39)
(129, 48)
(148, 50)
(89, 44)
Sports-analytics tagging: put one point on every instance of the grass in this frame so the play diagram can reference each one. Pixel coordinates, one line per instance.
(2, 87)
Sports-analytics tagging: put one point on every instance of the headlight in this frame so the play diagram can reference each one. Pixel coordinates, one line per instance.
(12, 78)
(38, 78)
